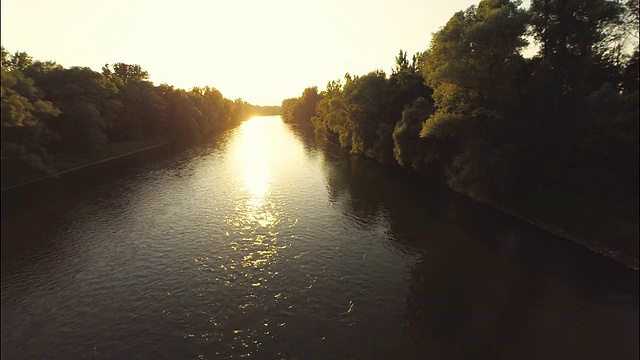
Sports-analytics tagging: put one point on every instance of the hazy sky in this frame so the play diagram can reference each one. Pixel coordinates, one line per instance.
(261, 51)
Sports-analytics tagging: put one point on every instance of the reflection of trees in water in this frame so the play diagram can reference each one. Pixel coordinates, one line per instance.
(463, 299)
(486, 285)
(466, 302)
(368, 190)
(307, 136)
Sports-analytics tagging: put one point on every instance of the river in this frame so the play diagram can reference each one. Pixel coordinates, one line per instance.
(265, 243)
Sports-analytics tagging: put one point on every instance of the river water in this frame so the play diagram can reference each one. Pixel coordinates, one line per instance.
(265, 243)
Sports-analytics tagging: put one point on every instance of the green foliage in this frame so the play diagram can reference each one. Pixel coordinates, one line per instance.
(361, 115)
(50, 112)
(24, 131)
(630, 75)
(371, 115)
(269, 110)
(301, 110)
(547, 135)
(142, 113)
(17, 61)
(474, 68)
(123, 74)
(472, 59)
(608, 152)
(83, 127)
(332, 116)
(89, 105)
(408, 148)
(582, 44)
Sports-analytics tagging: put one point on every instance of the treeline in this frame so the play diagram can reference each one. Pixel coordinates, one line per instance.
(554, 135)
(260, 110)
(49, 112)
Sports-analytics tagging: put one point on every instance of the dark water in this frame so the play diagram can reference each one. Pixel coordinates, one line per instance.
(267, 245)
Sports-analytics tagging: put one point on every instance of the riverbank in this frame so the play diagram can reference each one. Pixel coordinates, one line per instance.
(283, 243)
(72, 162)
(617, 253)
(603, 227)
(595, 232)
(590, 222)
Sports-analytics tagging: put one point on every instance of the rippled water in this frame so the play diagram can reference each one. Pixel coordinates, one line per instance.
(267, 244)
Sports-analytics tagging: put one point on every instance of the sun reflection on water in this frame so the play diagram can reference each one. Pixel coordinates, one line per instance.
(256, 236)
(255, 148)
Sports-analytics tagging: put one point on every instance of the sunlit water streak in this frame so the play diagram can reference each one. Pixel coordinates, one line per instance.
(265, 244)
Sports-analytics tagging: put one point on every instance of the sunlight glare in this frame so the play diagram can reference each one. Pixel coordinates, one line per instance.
(255, 159)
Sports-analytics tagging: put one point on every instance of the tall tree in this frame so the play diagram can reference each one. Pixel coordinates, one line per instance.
(301, 110)
(23, 120)
(474, 67)
(126, 72)
(407, 149)
(79, 91)
(576, 38)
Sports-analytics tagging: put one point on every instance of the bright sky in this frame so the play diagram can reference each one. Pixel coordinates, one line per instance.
(260, 51)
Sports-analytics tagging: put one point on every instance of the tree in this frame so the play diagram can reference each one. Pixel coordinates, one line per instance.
(142, 113)
(577, 38)
(367, 98)
(212, 105)
(332, 116)
(24, 131)
(181, 114)
(82, 128)
(6, 60)
(19, 60)
(407, 148)
(50, 114)
(76, 91)
(287, 109)
(301, 110)
(475, 69)
(125, 72)
(407, 83)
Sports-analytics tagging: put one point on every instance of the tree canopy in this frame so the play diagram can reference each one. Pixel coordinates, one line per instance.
(545, 134)
(50, 112)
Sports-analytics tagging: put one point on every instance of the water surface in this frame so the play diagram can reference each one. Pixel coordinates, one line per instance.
(265, 243)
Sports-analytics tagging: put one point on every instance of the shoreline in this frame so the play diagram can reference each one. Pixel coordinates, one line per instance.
(594, 246)
(627, 261)
(81, 167)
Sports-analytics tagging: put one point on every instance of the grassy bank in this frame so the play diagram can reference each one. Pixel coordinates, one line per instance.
(66, 162)
(14, 176)
(604, 225)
